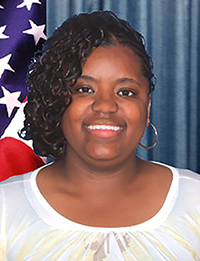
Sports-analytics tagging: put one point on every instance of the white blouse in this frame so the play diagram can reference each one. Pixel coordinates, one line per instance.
(30, 229)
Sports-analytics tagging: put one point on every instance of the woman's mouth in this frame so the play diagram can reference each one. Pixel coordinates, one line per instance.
(104, 130)
(103, 127)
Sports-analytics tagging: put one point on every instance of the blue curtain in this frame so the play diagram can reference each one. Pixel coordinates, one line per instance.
(172, 32)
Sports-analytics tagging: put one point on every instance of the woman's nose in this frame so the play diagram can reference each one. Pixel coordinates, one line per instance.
(105, 103)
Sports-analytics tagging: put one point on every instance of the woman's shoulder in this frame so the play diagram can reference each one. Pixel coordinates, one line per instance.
(185, 182)
(185, 186)
(18, 180)
(189, 185)
(13, 187)
(185, 174)
(188, 175)
(15, 180)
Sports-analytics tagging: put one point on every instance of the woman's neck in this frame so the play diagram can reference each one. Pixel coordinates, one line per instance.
(91, 179)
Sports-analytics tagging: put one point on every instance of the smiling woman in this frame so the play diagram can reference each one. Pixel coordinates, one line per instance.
(113, 101)
(89, 105)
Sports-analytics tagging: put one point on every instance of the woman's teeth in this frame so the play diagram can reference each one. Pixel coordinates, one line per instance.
(103, 127)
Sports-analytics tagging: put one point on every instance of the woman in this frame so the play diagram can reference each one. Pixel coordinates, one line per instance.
(89, 105)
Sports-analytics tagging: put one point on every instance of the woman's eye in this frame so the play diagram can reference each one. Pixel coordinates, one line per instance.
(126, 93)
(84, 90)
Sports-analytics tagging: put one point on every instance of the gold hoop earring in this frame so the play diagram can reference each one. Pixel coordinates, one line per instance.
(156, 138)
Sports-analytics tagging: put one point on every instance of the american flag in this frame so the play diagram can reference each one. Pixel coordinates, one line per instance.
(22, 32)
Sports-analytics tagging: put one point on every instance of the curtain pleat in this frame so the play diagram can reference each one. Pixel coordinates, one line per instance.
(172, 32)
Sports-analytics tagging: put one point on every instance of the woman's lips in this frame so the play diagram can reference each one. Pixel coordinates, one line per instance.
(104, 130)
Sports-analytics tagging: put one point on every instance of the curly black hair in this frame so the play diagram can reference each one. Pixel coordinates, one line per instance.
(58, 66)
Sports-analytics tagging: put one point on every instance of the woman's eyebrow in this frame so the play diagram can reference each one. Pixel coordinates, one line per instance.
(119, 80)
(130, 80)
(87, 77)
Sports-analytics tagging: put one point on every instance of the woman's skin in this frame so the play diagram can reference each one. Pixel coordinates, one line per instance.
(101, 182)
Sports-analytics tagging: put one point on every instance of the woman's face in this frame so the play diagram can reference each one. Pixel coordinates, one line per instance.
(110, 107)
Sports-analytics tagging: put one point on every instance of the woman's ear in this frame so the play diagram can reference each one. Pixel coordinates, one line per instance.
(148, 110)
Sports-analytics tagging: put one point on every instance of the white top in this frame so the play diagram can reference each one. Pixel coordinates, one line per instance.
(30, 229)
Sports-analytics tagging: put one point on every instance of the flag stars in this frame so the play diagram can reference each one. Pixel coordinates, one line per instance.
(10, 99)
(28, 4)
(2, 29)
(4, 64)
(37, 31)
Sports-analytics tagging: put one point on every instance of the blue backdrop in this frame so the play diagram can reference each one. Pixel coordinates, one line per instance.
(172, 32)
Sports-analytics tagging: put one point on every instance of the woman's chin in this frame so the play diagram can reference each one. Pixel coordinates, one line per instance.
(103, 154)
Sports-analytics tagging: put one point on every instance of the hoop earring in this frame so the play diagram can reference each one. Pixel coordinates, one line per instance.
(156, 138)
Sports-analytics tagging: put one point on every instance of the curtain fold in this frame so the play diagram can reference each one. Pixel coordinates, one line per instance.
(172, 32)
